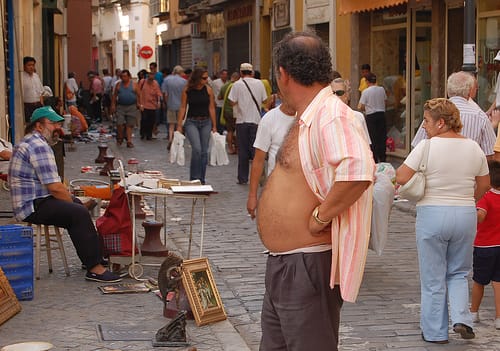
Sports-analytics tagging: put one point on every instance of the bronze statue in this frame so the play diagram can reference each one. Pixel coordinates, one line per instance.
(174, 333)
(169, 277)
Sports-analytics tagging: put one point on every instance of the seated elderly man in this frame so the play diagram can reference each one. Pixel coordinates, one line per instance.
(39, 197)
(5, 155)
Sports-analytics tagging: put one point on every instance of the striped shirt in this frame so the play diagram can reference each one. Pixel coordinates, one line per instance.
(476, 125)
(333, 148)
(32, 167)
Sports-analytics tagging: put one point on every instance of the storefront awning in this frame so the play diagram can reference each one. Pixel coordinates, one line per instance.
(352, 6)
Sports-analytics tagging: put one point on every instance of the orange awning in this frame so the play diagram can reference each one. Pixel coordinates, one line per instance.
(351, 6)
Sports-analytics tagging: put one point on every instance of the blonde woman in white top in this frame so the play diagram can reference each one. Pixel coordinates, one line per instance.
(456, 177)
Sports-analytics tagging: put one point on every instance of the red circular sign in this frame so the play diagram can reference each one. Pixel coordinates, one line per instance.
(146, 52)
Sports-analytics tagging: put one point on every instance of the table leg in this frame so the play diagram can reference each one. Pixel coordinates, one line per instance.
(165, 221)
(202, 225)
(191, 228)
(133, 241)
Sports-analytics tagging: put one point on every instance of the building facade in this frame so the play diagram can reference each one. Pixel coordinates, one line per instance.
(412, 47)
(123, 35)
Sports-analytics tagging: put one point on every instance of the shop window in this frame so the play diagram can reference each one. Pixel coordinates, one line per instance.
(487, 47)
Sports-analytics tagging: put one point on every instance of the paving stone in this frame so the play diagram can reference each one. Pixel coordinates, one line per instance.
(65, 310)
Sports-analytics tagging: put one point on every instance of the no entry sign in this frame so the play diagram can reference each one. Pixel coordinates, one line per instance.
(146, 52)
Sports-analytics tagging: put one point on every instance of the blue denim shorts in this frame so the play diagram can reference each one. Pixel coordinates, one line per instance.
(486, 265)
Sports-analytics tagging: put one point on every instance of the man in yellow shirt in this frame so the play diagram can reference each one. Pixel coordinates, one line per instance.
(365, 70)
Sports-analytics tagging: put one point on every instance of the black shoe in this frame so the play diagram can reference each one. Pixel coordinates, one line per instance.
(465, 331)
(435, 341)
(106, 277)
(240, 182)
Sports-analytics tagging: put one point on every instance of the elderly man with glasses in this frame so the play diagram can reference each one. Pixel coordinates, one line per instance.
(39, 197)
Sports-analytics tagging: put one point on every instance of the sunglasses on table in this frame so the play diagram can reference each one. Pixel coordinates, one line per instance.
(339, 92)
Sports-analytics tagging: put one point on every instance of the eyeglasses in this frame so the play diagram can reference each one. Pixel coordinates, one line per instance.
(339, 92)
(204, 78)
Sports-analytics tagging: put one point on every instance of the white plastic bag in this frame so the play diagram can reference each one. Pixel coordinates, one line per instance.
(177, 149)
(383, 197)
(217, 150)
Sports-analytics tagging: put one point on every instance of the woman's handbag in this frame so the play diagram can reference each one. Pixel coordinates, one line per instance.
(414, 189)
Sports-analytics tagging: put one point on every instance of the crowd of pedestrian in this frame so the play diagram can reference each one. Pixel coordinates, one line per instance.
(317, 157)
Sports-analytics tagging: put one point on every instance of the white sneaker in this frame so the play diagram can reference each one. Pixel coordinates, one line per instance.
(497, 323)
(475, 317)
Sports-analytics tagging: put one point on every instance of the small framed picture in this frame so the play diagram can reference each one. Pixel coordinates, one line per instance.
(202, 292)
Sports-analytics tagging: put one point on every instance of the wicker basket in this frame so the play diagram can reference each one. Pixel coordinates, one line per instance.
(9, 306)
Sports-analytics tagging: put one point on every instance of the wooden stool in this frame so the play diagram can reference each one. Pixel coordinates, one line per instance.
(46, 246)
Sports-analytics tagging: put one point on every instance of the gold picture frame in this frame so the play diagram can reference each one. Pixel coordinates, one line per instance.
(202, 292)
(9, 305)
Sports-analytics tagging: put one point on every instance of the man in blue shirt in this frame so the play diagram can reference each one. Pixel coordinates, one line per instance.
(39, 197)
(172, 91)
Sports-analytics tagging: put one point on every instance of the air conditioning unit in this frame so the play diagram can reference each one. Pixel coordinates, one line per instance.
(158, 8)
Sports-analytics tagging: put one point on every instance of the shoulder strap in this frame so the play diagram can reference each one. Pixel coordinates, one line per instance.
(253, 97)
(425, 156)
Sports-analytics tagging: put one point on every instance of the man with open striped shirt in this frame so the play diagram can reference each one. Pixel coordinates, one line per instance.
(477, 125)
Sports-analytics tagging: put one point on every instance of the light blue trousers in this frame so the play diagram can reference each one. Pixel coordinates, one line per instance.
(445, 236)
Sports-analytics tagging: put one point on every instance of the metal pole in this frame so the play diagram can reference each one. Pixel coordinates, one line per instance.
(469, 60)
(12, 70)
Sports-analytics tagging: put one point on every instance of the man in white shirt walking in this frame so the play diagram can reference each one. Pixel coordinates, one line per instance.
(246, 96)
(216, 86)
(32, 88)
(372, 103)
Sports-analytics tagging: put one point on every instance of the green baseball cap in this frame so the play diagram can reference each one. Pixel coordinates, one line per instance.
(46, 112)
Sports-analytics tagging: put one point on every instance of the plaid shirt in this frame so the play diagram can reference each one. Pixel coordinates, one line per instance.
(334, 148)
(32, 167)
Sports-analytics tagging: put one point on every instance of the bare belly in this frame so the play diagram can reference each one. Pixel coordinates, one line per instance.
(286, 205)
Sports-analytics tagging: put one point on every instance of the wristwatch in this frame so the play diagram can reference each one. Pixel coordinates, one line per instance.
(317, 219)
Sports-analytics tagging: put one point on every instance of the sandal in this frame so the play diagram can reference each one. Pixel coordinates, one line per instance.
(119, 141)
(129, 144)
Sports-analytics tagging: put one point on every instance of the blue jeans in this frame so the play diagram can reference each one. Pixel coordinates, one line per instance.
(445, 235)
(198, 134)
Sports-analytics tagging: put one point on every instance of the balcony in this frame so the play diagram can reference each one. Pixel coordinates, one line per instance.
(194, 8)
(159, 8)
(106, 3)
(111, 3)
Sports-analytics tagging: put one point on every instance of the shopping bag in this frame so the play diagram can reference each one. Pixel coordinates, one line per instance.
(115, 226)
(383, 197)
(217, 150)
(177, 149)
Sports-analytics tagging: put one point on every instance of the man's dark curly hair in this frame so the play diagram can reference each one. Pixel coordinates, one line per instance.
(304, 57)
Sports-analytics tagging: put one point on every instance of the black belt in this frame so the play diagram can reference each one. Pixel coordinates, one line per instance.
(198, 118)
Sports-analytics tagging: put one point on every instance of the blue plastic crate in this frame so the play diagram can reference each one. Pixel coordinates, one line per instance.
(16, 258)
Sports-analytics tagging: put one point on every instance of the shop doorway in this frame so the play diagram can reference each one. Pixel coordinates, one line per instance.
(396, 37)
(238, 46)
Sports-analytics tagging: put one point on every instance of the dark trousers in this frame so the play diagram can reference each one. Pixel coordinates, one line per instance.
(220, 127)
(378, 134)
(300, 311)
(76, 219)
(245, 133)
(95, 107)
(148, 118)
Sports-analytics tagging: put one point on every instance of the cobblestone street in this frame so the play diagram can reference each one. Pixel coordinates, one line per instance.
(66, 310)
